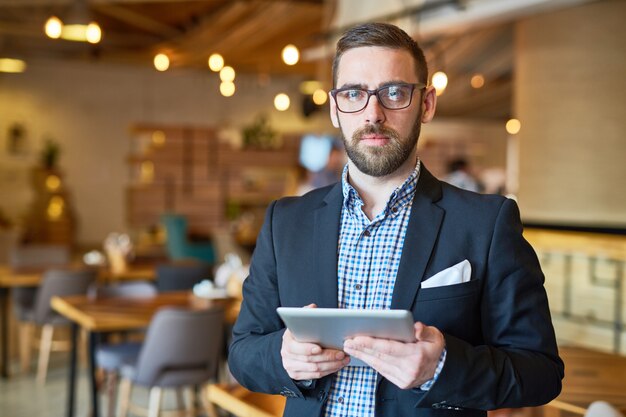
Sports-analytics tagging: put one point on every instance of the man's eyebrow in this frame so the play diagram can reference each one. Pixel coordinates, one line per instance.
(364, 87)
(352, 85)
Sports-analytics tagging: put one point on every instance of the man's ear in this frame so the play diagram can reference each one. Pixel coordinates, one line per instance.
(429, 103)
(333, 111)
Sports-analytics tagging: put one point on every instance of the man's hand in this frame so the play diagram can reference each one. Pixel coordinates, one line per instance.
(308, 360)
(406, 365)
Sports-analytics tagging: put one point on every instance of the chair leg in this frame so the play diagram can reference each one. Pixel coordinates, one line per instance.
(155, 401)
(45, 346)
(208, 406)
(180, 399)
(125, 390)
(111, 385)
(193, 398)
(26, 330)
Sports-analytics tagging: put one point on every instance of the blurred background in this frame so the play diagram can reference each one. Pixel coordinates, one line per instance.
(115, 114)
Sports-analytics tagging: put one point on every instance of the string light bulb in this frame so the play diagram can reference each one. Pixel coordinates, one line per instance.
(440, 82)
(161, 62)
(282, 102)
(227, 74)
(319, 97)
(53, 27)
(513, 126)
(290, 55)
(477, 81)
(227, 88)
(216, 62)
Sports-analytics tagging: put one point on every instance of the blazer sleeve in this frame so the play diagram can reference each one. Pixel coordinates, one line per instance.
(254, 354)
(518, 364)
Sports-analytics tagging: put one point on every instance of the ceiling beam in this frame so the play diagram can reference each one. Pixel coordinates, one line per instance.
(138, 20)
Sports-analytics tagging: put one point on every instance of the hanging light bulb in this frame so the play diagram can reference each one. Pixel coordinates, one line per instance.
(161, 62)
(53, 27)
(513, 126)
(93, 33)
(216, 62)
(440, 82)
(227, 74)
(477, 81)
(319, 97)
(227, 88)
(290, 55)
(281, 102)
(77, 27)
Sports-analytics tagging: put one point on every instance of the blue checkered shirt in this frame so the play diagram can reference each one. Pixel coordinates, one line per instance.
(369, 256)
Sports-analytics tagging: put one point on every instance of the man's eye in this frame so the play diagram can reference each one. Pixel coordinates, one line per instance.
(396, 93)
(352, 95)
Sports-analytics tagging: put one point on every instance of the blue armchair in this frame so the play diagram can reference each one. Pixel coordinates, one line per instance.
(178, 244)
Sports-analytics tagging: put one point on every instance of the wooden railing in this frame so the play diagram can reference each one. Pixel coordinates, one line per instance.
(586, 285)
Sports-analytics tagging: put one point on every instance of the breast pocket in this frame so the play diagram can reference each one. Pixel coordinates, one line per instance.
(454, 309)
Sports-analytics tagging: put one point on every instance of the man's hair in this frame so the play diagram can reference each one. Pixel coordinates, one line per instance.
(384, 35)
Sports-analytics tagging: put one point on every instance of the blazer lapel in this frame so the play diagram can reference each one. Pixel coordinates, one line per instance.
(424, 224)
(325, 240)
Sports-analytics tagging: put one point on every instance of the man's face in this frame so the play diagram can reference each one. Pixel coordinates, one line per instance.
(379, 141)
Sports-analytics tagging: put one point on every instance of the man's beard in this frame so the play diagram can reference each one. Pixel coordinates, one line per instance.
(379, 161)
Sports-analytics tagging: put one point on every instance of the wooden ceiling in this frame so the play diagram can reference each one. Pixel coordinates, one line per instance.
(250, 34)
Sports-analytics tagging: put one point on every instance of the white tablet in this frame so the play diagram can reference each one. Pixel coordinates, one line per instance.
(329, 327)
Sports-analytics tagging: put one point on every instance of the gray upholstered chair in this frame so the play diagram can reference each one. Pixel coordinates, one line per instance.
(56, 282)
(182, 275)
(108, 356)
(182, 348)
(28, 258)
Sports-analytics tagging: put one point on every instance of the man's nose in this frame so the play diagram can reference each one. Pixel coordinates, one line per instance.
(374, 111)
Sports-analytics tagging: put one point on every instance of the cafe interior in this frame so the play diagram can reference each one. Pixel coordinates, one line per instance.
(142, 140)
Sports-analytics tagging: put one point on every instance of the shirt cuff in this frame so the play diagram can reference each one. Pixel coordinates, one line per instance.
(304, 383)
(442, 359)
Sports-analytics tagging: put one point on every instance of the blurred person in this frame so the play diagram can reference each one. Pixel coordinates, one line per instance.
(459, 175)
(392, 236)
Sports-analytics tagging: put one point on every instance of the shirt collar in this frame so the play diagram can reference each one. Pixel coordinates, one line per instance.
(398, 199)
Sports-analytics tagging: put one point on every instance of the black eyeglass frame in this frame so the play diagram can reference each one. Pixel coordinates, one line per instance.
(370, 93)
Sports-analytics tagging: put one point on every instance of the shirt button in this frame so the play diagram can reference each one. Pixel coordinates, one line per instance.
(366, 233)
(358, 287)
(340, 400)
(394, 209)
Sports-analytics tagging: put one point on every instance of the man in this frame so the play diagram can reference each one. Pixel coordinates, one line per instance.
(373, 241)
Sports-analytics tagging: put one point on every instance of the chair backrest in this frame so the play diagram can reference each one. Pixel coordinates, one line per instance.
(60, 282)
(181, 275)
(135, 289)
(33, 256)
(176, 231)
(182, 347)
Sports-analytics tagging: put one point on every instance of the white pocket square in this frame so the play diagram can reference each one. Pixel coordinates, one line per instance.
(456, 274)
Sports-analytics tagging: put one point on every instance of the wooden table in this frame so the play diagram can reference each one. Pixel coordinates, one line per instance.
(32, 278)
(117, 314)
(590, 376)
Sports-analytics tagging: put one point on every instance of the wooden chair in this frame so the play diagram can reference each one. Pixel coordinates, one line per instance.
(240, 402)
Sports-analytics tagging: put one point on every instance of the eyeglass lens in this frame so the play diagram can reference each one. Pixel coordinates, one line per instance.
(393, 97)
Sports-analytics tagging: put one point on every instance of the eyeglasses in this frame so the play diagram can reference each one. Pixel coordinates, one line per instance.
(391, 96)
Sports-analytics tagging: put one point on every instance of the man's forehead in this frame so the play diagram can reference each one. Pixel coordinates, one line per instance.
(375, 64)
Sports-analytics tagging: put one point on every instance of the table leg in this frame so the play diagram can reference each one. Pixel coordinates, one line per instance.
(93, 344)
(4, 331)
(71, 389)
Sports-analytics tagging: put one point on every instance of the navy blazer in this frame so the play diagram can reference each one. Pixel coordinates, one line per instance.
(501, 348)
